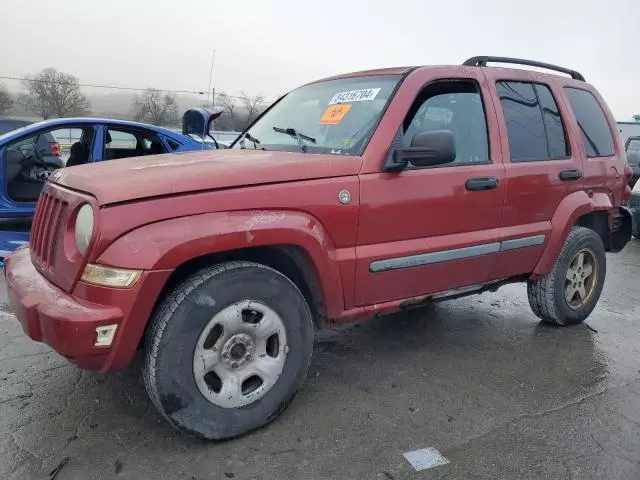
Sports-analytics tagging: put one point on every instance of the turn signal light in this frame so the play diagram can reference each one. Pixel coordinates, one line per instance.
(104, 335)
(110, 277)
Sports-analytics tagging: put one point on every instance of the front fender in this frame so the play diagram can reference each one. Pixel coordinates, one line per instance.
(570, 209)
(167, 244)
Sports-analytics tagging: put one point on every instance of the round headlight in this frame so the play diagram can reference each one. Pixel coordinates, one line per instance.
(84, 227)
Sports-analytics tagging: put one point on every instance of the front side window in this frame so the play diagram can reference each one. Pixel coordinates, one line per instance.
(596, 135)
(455, 106)
(29, 161)
(534, 124)
(334, 117)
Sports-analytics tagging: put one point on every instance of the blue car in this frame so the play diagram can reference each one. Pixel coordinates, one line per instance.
(26, 159)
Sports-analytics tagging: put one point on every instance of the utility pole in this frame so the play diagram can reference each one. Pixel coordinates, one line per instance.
(213, 57)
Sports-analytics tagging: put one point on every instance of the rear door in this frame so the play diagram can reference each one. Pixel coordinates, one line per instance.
(427, 230)
(541, 165)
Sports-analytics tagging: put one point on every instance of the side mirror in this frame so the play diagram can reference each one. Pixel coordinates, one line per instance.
(435, 147)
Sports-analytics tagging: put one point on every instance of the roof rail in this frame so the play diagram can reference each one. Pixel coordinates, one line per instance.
(481, 61)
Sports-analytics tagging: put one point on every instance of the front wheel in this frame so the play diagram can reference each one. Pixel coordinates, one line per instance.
(569, 293)
(228, 350)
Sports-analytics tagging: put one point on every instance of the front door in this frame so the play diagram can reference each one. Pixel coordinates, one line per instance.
(429, 230)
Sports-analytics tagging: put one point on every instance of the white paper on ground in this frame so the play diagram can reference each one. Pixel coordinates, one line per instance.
(425, 458)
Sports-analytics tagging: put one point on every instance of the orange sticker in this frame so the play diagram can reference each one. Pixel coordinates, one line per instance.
(334, 114)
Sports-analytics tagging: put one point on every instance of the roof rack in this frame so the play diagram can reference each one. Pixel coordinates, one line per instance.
(481, 61)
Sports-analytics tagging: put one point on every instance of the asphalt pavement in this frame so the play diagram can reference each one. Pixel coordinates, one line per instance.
(499, 395)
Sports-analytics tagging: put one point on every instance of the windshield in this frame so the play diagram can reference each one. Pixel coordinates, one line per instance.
(633, 152)
(336, 116)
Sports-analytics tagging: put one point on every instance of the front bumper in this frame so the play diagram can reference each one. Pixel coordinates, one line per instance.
(68, 323)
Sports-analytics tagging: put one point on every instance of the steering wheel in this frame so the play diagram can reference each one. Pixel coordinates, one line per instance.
(29, 151)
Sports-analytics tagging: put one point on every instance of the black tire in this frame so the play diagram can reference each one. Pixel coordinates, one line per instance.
(177, 325)
(546, 293)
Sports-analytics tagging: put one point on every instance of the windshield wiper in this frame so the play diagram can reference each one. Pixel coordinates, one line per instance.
(251, 138)
(298, 136)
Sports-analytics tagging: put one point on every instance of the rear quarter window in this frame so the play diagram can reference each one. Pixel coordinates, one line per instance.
(173, 144)
(593, 125)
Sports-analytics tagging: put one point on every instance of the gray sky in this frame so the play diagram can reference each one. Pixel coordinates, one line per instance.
(271, 46)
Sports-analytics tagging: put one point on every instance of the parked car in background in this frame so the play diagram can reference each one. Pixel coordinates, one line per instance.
(350, 197)
(8, 124)
(30, 153)
(634, 206)
(632, 148)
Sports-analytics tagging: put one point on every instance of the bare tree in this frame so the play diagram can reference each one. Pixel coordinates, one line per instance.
(156, 107)
(6, 100)
(54, 94)
(229, 119)
(226, 102)
(252, 105)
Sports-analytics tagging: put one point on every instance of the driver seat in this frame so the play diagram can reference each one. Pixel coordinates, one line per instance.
(79, 155)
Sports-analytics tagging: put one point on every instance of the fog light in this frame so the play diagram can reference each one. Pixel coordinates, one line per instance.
(110, 277)
(104, 335)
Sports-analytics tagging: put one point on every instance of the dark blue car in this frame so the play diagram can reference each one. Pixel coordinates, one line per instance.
(26, 162)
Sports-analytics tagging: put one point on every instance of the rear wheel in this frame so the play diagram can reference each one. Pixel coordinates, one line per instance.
(569, 293)
(228, 350)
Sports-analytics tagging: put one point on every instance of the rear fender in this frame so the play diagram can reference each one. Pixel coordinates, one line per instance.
(621, 230)
(570, 209)
(167, 244)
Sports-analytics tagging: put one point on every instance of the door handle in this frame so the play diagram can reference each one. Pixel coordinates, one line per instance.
(482, 183)
(568, 175)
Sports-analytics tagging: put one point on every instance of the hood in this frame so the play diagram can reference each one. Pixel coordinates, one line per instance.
(142, 177)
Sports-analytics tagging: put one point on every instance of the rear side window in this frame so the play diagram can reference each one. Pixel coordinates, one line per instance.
(596, 135)
(534, 124)
(552, 122)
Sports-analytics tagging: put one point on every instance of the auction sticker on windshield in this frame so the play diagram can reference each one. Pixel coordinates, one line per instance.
(363, 95)
(334, 114)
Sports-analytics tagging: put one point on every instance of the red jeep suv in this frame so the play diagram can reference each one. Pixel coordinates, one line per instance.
(349, 197)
